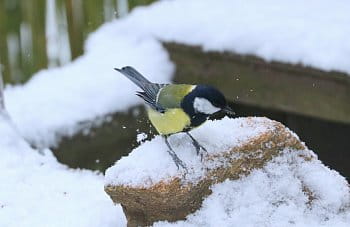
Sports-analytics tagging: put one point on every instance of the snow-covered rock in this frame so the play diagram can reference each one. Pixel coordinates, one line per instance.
(285, 182)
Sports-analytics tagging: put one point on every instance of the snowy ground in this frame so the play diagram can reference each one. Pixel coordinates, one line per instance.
(38, 191)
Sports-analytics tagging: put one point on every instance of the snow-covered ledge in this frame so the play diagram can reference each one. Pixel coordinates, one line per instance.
(256, 171)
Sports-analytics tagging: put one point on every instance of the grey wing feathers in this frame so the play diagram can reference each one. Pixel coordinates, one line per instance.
(150, 101)
(150, 90)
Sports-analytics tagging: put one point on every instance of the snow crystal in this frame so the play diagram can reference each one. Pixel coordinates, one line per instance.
(141, 137)
(150, 163)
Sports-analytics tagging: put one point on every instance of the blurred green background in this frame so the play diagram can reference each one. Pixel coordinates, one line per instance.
(38, 34)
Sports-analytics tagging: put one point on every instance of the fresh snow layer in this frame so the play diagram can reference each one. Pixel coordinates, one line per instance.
(313, 33)
(37, 191)
(54, 102)
(150, 163)
(275, 196)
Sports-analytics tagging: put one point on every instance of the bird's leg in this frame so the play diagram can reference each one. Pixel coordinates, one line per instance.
(197, 145)
(173, 155)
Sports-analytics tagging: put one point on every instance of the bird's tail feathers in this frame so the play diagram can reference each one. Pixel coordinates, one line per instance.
(133, 75)
(150, 90)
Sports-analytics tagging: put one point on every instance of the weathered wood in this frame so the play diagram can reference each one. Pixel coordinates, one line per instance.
(274, 85)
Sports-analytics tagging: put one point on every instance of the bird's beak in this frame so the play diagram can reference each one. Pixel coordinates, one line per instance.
(227, 110)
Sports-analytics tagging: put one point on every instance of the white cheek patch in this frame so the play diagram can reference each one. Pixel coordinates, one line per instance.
(202, 105)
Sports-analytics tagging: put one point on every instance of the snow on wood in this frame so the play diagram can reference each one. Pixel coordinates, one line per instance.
(256, 172)
(38, 191)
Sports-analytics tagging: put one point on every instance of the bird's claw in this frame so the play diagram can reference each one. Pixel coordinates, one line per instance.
(179, 163)
(175, 158)
(198, 149)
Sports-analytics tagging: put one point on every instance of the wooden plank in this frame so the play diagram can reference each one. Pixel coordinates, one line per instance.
(251, 80)
(75, 28)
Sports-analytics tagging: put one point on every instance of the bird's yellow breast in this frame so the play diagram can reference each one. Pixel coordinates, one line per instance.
(172, 121)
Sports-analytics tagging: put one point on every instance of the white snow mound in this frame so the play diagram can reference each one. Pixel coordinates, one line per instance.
(38, 191)
(275, 196)
(150, 163)
(288, 191)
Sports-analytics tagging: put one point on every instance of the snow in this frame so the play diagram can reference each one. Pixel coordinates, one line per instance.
(150, 163)
(313, 33)
(278, 194)
(56, 101)
(275, 196)
(38, 191)
(141, 137)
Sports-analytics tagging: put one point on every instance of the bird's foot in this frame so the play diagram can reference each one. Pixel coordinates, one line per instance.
(173, 155)
(178, 161)
(199, 148)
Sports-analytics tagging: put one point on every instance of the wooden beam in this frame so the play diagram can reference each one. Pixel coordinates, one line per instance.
(274, 85)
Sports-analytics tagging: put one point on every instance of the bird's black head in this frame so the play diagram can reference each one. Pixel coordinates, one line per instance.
(204, 101)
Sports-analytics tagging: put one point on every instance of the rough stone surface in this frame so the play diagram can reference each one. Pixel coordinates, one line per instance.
(175, 199)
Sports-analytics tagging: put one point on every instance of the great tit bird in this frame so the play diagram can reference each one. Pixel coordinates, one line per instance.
(177, 108)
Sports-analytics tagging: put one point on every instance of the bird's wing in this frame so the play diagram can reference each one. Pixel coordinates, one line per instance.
(150, 93)
(172, 95)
